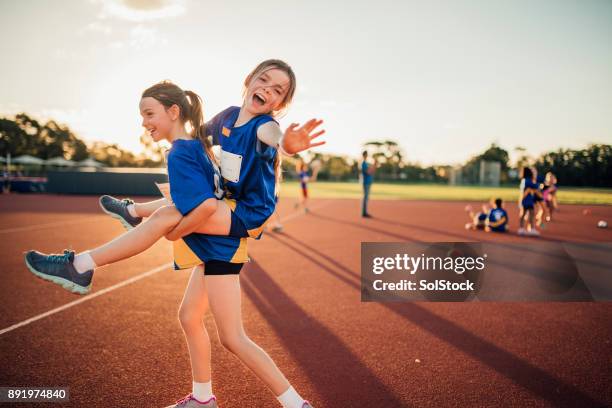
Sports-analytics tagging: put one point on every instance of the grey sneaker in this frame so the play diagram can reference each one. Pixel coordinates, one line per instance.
(118, 209)
(189, 401)
(59, 269)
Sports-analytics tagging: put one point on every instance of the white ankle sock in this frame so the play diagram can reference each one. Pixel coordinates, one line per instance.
(132, 210)
(202, 391)
(290, 399)
(83, 262)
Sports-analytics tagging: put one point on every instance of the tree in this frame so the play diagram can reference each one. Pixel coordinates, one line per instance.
(389, 155)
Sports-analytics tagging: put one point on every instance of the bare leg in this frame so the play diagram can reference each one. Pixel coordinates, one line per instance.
(138, 239)
(148, 208)
(192, 310)
(540, 213)
(522, 218)
(225, 304)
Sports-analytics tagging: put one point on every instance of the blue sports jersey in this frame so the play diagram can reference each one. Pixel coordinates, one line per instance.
(528, 192)
(194, 179)
(498, 219)
(367, 178)
(247, 167)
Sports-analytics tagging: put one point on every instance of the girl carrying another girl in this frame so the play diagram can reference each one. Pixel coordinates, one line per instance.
(249, 137)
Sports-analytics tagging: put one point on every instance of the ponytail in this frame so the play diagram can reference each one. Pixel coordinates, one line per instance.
(195, 117)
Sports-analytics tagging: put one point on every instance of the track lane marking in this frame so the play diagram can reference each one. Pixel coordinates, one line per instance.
(86, 298)
(120, 284)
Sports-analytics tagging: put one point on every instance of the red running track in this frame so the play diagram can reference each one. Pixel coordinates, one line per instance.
(302, 304)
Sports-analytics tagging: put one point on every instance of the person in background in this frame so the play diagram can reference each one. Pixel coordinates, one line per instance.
(367, 172)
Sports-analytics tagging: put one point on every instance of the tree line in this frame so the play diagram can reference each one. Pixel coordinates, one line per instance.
(591, 166)
(25, 135)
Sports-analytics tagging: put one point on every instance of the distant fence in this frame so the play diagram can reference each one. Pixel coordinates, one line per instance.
(105, 182)
(486, 173)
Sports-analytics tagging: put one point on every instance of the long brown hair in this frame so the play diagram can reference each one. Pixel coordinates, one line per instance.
(286, 68)
(190, 106)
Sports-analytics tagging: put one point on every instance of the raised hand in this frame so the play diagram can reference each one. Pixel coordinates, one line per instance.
(297, 139)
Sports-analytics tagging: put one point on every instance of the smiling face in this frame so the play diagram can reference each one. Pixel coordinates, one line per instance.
(266, 92)
(156, 119)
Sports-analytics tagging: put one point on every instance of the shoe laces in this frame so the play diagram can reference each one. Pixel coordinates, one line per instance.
(185, 399)
(60, 259)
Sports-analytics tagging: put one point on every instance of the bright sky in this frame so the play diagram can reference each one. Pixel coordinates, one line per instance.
(443, 78)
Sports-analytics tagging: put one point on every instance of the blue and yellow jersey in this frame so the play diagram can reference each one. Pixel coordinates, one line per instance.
(247, 167)
(529, 190)
(194, 179)
(498, 219)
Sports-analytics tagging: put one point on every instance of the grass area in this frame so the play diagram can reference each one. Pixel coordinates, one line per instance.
(382, 191)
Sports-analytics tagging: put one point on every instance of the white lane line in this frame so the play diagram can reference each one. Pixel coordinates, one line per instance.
(40, 226)
(86, 298)
(123, 283)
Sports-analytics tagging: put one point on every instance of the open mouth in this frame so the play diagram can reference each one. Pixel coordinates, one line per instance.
(259, 100)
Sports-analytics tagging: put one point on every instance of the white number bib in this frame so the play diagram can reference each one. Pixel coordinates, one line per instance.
(230, 166)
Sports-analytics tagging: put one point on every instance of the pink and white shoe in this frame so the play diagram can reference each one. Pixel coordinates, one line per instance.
(189, 401)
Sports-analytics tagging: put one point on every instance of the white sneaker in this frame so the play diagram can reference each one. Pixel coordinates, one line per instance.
(533, 233)
(521, 231)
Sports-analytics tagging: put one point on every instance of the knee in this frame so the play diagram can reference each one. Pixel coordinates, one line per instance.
(166, 215)
(189, 318)
(233, 342)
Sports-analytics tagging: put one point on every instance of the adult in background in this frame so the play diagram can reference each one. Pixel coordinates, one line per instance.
(367, 172)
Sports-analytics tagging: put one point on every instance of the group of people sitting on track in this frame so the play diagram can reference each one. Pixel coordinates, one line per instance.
(537, 202)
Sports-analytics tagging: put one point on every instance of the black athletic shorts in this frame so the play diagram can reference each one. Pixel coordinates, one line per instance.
(214, 267)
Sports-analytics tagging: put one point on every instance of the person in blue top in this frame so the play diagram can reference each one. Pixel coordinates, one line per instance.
(489, 219)
(195, 185)
(367, 172)
(497, 219)
(539, 206)
(194, 190)
(529, 190)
